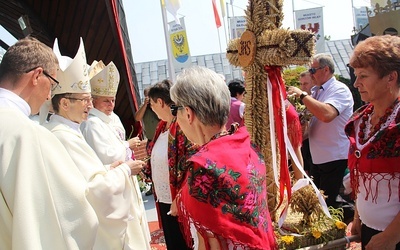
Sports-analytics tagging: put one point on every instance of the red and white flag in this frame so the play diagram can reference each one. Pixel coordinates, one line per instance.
(216, 14)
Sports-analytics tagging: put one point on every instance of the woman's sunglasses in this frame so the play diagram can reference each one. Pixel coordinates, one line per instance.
(174, 109)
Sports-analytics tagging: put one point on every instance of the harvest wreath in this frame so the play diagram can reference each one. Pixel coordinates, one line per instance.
(306, 223)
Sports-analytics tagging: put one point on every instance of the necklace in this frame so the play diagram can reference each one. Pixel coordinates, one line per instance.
(167, 126)
(219, 134)
(362, 136)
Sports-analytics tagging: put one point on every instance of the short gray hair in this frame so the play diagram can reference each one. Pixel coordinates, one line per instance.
(205, 92)
(325, 60)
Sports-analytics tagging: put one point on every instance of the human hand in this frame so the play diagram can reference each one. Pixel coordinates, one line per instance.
(134, 142)
(142, 176)
(381, 241)
(115, 164)
(294, 91)
(135, 166)
(174, 209)
(356, 227)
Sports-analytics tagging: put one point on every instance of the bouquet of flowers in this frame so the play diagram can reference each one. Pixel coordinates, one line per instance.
(143, 184)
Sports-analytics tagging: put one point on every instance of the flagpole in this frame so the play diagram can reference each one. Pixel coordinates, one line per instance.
(219, 40)
(229, 23)
(354, 17)
(171, 68)
(234, 21)
(226, 38)
(294, 15)
(229, 33)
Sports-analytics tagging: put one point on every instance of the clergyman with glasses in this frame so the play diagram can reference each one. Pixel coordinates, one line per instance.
(331, 104)
(42, 203)
(106, 135)
(108, 186)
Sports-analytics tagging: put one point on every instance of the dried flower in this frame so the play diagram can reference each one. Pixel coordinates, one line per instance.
(317, 234)
(288, 239)
(340, 225)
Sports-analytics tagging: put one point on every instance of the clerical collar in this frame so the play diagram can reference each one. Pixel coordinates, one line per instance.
(105, 118)
(10, 99)
(73, 125)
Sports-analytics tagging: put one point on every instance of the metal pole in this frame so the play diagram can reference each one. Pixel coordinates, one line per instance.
(229, 34)
(334, 244)
(294, 15)
(354, 18)
(219, 41)
(171, 68)
(234, 23)
(226, 14)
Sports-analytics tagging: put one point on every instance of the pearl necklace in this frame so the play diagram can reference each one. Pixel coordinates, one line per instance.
(362, 137)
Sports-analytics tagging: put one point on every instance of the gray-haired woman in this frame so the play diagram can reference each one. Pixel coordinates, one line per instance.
(225, 184)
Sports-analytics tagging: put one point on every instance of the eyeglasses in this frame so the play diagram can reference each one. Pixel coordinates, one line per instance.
(53, 85)
(312, 71)
(174, 109)
(84, 100)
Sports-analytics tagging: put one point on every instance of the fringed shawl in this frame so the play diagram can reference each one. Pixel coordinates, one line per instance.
(379, 158)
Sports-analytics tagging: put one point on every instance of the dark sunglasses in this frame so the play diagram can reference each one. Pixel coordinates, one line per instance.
(174, 109)
(312, 71)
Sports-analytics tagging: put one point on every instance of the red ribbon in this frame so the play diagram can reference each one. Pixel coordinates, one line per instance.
(278, 90)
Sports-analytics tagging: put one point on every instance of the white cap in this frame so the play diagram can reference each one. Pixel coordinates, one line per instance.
(73, 75)
(104, 80)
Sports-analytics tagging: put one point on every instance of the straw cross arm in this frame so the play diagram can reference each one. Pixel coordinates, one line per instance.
(278, 47)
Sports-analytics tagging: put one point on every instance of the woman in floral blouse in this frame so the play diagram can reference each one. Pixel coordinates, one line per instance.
(223, 202)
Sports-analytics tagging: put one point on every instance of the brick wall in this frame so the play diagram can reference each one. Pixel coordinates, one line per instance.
(140, 152)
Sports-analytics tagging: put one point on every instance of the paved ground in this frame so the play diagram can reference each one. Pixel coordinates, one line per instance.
(150, 207)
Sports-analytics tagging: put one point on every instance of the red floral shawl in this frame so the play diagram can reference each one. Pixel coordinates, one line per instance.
(379, 158)
(225, 194)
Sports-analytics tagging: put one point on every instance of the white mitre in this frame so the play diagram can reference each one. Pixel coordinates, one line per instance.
(104, 79)
(73, 74)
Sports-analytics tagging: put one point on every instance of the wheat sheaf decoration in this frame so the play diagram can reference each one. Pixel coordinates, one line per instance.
(262, 50)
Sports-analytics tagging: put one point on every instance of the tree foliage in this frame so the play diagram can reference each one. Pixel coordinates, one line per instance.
(291, 76)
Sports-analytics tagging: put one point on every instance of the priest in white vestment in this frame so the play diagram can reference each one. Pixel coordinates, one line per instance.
(42, 203)
(109, 189)
(105, 133)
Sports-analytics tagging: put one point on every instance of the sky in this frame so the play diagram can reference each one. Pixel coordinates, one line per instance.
(146, 32)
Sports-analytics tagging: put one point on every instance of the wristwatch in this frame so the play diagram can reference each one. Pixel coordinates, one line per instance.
(303, 94)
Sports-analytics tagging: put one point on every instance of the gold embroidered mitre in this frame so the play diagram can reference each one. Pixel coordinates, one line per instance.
(104, 79)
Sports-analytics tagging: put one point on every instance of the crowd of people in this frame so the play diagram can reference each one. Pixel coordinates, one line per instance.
(71, 182)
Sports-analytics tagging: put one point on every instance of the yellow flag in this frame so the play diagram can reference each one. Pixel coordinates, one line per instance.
(222, 2)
